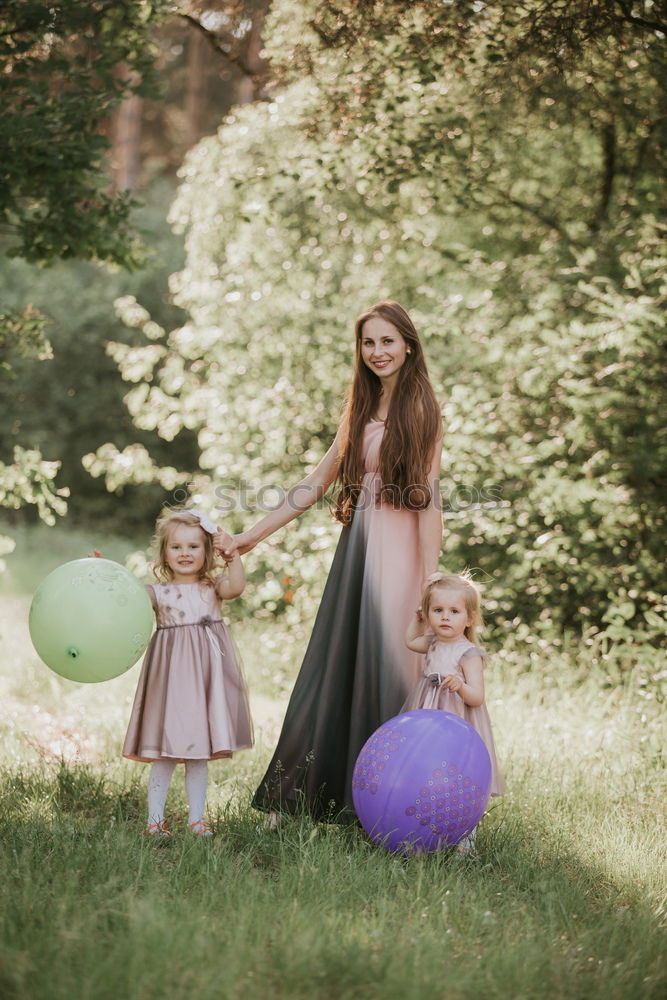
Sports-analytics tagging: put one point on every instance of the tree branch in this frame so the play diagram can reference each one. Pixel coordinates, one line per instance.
(642, 22)
(214, 40)
(547, 220)
(644, 144)
(608, 174)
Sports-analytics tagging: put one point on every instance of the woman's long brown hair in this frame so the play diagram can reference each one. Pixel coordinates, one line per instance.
(412, 427)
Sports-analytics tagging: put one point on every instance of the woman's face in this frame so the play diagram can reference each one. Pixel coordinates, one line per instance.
(383, 348)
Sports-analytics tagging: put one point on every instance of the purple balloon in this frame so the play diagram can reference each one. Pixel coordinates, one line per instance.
(421, 781)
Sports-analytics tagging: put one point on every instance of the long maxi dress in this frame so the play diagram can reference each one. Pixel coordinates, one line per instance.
(357, 671)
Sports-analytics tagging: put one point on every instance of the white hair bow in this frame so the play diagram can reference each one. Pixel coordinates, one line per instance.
(205, 522)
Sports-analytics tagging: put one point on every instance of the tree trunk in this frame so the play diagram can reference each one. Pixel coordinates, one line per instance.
(194, 95)
(254, 65)
(126, 139)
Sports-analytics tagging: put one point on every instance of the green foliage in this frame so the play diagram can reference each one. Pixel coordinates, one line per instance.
(23, 335)
(63, 67)
(562, 135)
(29, 480)
(305, 33)
(512, 205)
(67, 405)
(574, 441)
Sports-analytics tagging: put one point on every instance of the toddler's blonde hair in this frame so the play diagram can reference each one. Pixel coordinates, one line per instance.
(471, 591)
(168, 519)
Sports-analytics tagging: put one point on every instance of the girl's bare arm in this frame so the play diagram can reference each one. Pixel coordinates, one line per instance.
(232, 583)
(472, 688)
(414, 637)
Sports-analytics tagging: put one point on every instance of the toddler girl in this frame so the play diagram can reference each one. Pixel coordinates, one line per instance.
(191, 703)
(445, 629)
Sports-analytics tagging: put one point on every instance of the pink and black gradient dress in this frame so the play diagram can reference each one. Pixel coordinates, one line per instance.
(357, 671)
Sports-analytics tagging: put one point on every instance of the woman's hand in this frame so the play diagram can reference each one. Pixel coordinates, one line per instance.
(238, 544)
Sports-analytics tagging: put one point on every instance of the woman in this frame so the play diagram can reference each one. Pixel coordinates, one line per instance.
(357, 671)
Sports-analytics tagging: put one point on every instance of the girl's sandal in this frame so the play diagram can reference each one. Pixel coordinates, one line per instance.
(157, 830)
(465, 848)
(273, 822)
(200, 829)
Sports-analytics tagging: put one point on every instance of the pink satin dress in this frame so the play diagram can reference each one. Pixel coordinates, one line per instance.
(191, 701)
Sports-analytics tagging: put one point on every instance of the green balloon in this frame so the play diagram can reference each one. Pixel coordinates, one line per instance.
(90, 620)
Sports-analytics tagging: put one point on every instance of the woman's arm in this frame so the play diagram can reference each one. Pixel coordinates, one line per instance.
(299, 499)
(472, 688)
(232, 583)
(430, 519)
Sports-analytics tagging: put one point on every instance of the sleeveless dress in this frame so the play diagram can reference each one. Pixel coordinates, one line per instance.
(357, 670)
(444, 658)
(191, 701)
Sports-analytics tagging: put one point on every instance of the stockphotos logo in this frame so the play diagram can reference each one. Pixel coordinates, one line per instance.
(451, 497)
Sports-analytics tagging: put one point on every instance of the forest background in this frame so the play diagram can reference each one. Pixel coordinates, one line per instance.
(197, 197)
(497, 168)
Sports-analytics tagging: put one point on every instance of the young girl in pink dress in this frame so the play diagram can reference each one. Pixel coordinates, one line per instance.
(452, 677)
(191, 703)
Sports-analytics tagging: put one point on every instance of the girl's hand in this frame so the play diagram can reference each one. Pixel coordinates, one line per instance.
(453, 682)
(238, 545)
(221, 541)
(420, 616)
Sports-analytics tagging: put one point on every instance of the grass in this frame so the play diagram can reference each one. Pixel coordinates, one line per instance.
(565, 897)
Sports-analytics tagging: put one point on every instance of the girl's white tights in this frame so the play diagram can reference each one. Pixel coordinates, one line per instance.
(159, 780)
(196, 783)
